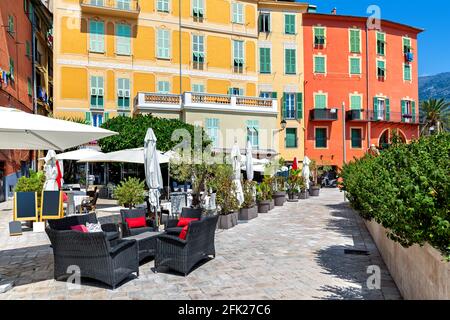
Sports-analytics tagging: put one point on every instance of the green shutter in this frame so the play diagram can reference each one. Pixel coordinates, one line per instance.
(274, 95)
(413, 109)
(403, 102)
(264, 57)
(88, 118)
(299, 105)
(283, 110)
(388, 110)
(106, 117)
(375, 108)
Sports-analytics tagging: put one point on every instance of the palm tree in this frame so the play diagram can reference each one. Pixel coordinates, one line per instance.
(434, 113)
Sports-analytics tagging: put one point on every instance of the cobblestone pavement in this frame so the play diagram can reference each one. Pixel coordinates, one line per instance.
(293, 252)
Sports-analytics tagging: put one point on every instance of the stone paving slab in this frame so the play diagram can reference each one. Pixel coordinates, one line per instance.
(292, 252)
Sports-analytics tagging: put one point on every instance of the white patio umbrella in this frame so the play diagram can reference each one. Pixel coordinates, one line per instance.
(249, 161)
(135, 155)
(25, 131)
(305, 171)
(153, 175)
(236, 164)
(79, 154)
(51, 172)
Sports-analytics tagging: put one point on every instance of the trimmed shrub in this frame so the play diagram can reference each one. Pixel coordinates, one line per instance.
(405, 189)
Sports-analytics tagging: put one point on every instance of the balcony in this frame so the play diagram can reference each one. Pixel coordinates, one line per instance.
(323, 114)
(396, 117)
(116, 8)
(356, 115)
(148, 102)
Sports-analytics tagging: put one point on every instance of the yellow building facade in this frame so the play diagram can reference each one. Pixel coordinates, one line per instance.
(199, 63)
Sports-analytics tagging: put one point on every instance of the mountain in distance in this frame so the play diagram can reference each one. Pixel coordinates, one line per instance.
(437, 86)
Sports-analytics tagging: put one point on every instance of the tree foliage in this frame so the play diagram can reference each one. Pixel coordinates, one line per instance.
(406, 189)
(435, 113)
(132, 132)
(130, 192)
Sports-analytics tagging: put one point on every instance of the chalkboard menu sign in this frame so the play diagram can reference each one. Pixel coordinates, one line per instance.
(25, 206)
(51, 205)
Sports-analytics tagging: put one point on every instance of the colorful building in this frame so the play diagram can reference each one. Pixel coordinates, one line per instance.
(364, 77)
(15, 83)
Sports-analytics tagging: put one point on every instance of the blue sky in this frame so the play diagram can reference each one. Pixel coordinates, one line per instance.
(431, 15)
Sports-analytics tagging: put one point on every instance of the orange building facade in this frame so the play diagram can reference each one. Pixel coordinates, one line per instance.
(364, 77)
(15, 82)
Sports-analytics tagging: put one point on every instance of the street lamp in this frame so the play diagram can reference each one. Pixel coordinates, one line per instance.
(283, 124)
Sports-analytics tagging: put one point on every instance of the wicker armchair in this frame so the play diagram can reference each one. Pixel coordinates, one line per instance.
(111, 230)
(90, 205)
(135, 213)
(97, 258)
(171, 226)
(182, 255)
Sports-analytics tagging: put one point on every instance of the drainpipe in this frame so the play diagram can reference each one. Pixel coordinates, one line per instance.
(369, 124)
(344, 134)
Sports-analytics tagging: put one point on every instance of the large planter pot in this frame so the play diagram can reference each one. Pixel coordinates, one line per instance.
(314, 191)
(292, 197)
(263, 206)
(227, 221)
(279, 198)
(272, 204)
(303, 195)
(192, 212)
(248, 213)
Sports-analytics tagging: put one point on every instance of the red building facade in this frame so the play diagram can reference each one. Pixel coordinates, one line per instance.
(16, 82)
(367, 77)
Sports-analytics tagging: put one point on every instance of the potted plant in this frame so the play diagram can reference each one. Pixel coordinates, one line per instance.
(34, 183)
(248, 209)
(130, 192)
(303, 192)
(314, 188)
(279, 195)
(263, 196)
(292, 185)
(226, 200)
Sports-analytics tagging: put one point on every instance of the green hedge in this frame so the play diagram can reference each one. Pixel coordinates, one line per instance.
(405, 189)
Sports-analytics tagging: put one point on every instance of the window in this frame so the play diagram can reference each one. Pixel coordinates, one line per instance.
(97, 92)
(290, 61)
(407, 72)
(11, 69)
(355, 41)
(123, 39)
(162, 5)
(265, 95)
(355, 66)
(407, 45)
(123, 4)
(264, 60)
(236, 91)
(213, 131)
(163, 87)
(28, 49)
(320, 101)
(355, 102)
(319, 37)
(30, 89)
(123, 93)
(289, 24)
(198, 51)
(319, 64)
(97, 3)
(238, 56)
(198, 10)
(163, 44)
(408, 111)
(11, 25)
(356, 138)
(381, 43)
(264, 22)
(381, 69)
(291, 137)
(97, 36)
(238, 13)
(292, 105)
(198, 88)
(381, 109)
(253, 132)
(97, 119)
(320, 138)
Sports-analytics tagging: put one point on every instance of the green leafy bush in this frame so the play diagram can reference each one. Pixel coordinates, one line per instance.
(405, 189)
(247, 188)
(130, 192)
(34, 183)
(264, 191)
(222, 183)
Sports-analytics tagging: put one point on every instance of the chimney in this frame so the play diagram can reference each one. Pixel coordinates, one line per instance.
(334, 11)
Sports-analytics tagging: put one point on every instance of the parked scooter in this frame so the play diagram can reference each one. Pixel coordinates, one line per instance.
(329, 180)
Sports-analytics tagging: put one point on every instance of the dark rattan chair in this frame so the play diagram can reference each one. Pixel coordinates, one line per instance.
(90, 205)
(135, 213)
(182, 255)
(111, 230)
(171, 226)
(97, 258)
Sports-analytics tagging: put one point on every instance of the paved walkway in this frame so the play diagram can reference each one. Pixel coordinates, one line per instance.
(294, 252)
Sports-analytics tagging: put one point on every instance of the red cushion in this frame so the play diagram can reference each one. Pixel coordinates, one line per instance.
(138, 222)
(185, 221)
(80, 228)
(183, 232)
(65, 197)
